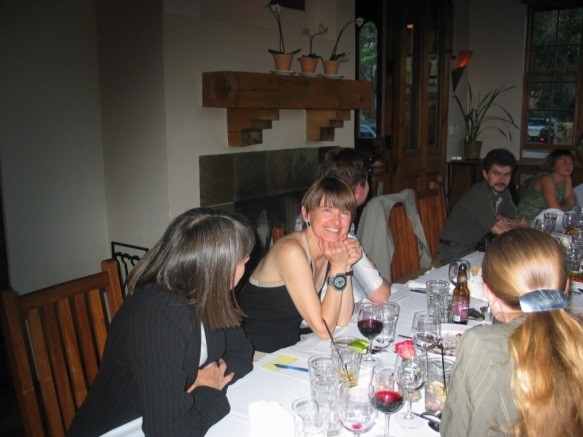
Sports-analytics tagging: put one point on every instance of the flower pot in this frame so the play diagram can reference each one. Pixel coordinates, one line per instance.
(330, 67)
(282, 61)
(472, 149)
(308, 64)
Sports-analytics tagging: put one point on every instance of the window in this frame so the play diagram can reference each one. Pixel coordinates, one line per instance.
(553, 79)
(367, 70)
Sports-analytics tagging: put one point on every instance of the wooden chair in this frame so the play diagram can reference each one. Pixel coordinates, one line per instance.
(276, 234)
(405, 261)
(55, 339)
(433, 214)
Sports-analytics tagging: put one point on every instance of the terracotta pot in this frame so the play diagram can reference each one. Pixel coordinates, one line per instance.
(331, 67)
(282, 61)
(472, 149)
(308, 64)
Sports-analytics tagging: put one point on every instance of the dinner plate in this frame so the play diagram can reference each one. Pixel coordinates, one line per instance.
(576, 286)
(333, 76)
(451, 335)
(310, 74)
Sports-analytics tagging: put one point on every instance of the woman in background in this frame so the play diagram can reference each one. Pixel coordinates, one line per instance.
(552, 188)
(285, 286)
(522, 377)
(175, 344)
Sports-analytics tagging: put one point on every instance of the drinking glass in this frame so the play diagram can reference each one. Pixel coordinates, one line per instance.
(385, 396)
(310, 417)
(438, 375)
(427, 331)
(542, 225)
(355, 410)
(370, 324)
(437, 293)
(570, 221)
(551, 219)
(454, 267)
(410, 373)
(390, 318)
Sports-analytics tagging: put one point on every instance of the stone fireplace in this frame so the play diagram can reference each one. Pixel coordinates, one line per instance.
(265, 187)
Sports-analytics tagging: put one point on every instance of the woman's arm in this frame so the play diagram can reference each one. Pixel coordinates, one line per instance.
(156, 351)
(290, 261)
(548, 190)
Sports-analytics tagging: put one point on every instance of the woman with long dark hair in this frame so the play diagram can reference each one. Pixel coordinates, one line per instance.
(175, 344)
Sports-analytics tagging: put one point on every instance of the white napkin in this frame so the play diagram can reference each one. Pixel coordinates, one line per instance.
(474, 284)
(270, 419)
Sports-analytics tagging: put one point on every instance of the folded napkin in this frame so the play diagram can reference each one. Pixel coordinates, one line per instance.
(270, 419)
(474, 284)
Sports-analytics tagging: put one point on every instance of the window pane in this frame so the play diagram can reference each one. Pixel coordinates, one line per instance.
(542, 59)
(368, 49)
(569, 26)
(544, 33)
(567, 58)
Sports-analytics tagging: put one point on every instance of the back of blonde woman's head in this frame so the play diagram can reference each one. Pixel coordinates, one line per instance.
(547, 349)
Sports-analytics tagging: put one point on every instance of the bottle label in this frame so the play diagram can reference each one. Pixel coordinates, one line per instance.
(460, 310)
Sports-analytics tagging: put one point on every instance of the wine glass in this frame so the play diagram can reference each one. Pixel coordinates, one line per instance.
(370, 324)
(385, 396)
(355, 411)
(426, 332)
(410, 373)
(454, 267)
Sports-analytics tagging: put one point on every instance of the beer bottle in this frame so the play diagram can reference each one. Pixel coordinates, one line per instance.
(461, 297)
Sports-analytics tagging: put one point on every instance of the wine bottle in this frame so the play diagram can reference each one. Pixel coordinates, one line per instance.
(461, 297)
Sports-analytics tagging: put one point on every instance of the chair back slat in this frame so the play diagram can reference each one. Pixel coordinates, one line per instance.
(86, 341)
(55, 339)
(433, 214)
(405, 259)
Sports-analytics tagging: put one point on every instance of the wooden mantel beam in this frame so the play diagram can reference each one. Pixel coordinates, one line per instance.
(242, 92)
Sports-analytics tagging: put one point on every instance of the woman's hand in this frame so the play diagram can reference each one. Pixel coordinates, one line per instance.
(354, 250)
(212, 375)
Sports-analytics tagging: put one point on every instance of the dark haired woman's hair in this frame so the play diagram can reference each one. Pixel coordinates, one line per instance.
(196, 258)
(551, 159)
(330, 191)
(547, 349)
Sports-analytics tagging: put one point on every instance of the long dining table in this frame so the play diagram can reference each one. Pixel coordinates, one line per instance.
(266, 383)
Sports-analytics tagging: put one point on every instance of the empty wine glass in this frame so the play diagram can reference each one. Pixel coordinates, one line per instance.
(386, 396)
(370, 324)
(355, 410)
(410, 373)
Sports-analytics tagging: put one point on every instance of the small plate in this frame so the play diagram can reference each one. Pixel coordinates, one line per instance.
(283, 72)
(451, 335)
(310, 74)
(333, 76)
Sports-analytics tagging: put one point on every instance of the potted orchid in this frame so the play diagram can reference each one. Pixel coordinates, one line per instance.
(333, 62)
(310, 61)
(281, 57)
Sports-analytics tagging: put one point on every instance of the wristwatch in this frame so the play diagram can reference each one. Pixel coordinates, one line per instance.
(338, 281)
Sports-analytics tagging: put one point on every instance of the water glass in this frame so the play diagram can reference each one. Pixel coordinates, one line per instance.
(310, 417)
(390, 318)
(324, 382)
(438, 375)
(570, 221)
(438, 299)
(551, 220)
(542, 225)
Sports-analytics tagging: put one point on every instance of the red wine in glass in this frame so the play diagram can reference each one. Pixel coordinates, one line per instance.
(370, 328)
(387, 401)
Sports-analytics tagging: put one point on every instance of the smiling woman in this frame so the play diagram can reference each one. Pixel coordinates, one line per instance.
(284, 289)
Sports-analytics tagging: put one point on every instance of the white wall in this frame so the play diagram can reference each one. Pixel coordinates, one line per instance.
(496, 32)
(50, 142)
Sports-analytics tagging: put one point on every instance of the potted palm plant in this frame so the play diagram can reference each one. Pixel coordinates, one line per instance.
(478, 117)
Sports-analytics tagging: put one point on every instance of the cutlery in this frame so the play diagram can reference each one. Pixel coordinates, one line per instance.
(418, 290)
(428, 416)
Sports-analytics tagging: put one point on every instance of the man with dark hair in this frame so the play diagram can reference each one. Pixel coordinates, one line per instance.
(486, 208)
(351, 166)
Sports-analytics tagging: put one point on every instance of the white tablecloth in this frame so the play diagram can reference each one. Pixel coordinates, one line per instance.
(284, 386)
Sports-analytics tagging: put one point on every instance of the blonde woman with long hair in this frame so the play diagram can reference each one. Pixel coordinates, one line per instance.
(523, 376)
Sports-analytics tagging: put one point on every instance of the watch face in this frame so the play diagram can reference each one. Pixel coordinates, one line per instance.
(338, 281)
